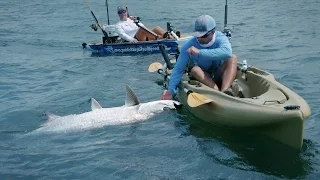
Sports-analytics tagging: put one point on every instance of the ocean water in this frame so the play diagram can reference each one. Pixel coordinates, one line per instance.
(44, 68)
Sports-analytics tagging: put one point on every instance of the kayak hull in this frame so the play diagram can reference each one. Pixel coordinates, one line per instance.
(147, 47)
(266, 106)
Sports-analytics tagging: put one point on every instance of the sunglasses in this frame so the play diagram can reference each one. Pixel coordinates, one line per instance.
(121, 11)
(207, 34)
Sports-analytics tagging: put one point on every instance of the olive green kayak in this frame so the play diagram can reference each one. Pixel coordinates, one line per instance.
(258, 102)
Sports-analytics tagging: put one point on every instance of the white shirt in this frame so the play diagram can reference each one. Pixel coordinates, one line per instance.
(127, 29)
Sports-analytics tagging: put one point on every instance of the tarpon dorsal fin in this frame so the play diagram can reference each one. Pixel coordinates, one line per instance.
(51, 117)
(95, 105)
(131, 98)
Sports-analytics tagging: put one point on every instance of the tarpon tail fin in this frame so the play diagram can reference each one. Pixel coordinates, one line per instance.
(131, 98)
(95, 105)
(51, 117)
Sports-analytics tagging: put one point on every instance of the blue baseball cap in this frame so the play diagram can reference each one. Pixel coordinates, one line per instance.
(203, 24)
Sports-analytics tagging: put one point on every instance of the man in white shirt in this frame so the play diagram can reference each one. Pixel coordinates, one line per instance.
(129, 31)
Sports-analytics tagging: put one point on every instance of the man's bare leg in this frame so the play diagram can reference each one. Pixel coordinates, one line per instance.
(229, 72)
(203, 77)
(158, 30)
(141, 35)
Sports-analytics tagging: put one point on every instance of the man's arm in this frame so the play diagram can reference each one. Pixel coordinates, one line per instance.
(223, 52)
(179, 68)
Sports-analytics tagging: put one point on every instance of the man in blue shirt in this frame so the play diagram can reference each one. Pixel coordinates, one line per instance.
(210, 54)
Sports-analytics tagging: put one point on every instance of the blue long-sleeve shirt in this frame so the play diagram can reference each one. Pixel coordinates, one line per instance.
(220, 50)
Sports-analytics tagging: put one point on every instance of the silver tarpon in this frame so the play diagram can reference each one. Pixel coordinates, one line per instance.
(132, 111)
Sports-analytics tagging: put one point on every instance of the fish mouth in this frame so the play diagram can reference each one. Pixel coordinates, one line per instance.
(177, 105)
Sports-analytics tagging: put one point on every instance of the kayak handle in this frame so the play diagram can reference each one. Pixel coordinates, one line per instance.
(272, 101)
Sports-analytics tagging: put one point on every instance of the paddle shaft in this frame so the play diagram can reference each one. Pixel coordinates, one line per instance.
(165, 56)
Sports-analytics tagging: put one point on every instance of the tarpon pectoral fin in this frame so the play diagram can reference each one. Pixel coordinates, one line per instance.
(131, 98)
(51, 117)
(95, 105)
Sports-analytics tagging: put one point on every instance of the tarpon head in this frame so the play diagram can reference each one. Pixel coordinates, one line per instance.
(156, 107)
(149, 108)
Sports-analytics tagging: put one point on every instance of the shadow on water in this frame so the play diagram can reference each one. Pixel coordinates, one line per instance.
(247, 151)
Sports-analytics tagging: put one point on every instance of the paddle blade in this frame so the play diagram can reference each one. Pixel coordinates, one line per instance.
(195, 100)
(155, 67)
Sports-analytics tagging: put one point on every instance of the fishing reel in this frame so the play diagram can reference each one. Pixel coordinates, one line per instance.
(169, 27)
(227, 32)
(137, 19)
(94, 27)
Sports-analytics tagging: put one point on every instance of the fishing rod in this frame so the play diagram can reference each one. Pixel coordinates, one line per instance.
(107, 11)
(125, 2)
(226, 14)
(103, 31)
(226, 30)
